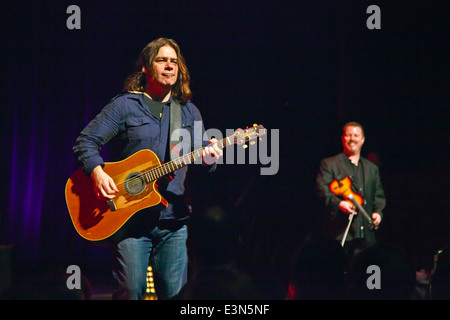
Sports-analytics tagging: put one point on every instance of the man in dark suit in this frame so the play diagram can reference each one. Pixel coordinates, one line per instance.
(366, 182)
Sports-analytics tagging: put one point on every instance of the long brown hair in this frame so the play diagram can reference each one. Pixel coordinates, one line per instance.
(137, 81)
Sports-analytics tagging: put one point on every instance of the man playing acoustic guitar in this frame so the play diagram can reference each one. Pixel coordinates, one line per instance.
(142, 118)
(365, 182)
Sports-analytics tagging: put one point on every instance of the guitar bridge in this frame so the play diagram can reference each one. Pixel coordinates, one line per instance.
(112, 205)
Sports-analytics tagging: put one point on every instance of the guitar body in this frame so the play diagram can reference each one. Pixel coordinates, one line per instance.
(97, 219)
(343, 188)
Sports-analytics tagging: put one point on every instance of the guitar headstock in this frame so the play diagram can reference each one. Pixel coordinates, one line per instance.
(242, 136)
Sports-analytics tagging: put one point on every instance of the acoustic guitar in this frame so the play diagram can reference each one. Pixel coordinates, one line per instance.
(136, 178)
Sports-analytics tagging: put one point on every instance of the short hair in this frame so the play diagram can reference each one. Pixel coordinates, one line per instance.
(353, 124)
(138, 80)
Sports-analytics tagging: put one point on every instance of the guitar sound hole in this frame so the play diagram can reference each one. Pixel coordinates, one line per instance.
(134, 183)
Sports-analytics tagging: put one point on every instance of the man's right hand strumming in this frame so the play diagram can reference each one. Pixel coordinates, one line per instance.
(104, 186)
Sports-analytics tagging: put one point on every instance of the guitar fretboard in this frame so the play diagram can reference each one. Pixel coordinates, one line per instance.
(171, 166)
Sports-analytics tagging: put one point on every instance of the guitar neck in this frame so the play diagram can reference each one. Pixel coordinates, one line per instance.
(173, 165)
(360, 208)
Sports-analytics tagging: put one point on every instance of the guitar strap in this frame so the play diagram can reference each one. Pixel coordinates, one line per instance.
(175, 123)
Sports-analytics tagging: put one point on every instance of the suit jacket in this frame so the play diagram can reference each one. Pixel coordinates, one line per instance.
(335, 221)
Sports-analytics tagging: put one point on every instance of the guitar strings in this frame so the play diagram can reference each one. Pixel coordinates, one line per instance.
(156, 172)
(160, 171)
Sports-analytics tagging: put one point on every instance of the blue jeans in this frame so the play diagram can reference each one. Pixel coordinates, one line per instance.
(165, 250)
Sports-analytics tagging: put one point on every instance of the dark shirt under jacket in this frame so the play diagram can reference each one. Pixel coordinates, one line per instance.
(127, 125)
(365, 181)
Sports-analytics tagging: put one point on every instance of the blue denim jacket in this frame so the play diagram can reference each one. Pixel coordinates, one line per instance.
(127, 125)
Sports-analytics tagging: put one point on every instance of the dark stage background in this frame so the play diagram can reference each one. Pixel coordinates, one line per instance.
(303, 67)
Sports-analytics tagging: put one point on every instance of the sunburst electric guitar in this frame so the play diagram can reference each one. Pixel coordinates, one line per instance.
(343, 188)
(136, 178)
